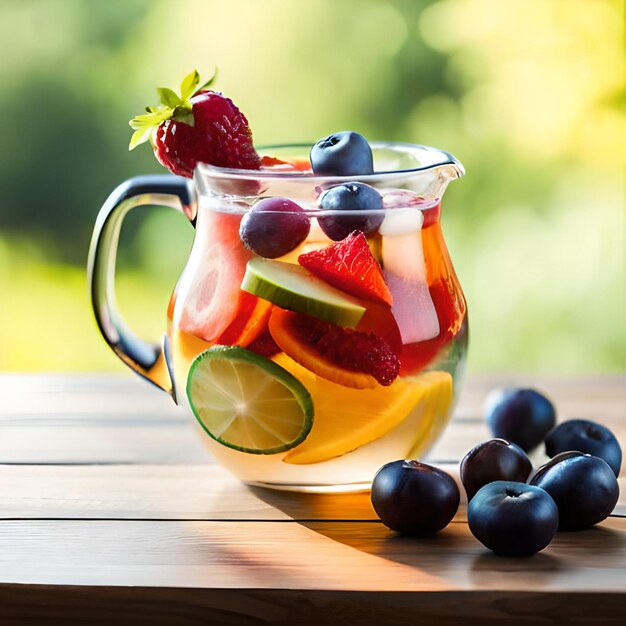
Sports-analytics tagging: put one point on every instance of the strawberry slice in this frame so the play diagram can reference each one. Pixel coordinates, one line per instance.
(350, 266)
(199, 126)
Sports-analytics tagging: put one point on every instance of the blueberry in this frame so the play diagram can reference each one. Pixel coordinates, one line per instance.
(273, 227)
(345, 153)
(584, 488)
(512, 518)
(496, 459)
(357, 199)
(414, 498)
(588, 437)
(523, 416)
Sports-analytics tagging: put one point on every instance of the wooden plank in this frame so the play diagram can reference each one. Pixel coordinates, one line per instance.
(33, 605)
(101, 441)
(205, 492)
(197, 492)
(599, 398)
(91, 419)
(578, 388)
(68, 394)
(602, 396)
(97, 439)
(348, 556)
(126, 439)
(187, 544)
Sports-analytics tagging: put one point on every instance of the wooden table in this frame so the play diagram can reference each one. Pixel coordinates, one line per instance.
(112, 512)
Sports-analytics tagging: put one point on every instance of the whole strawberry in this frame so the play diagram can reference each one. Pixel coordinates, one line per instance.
(199, 126)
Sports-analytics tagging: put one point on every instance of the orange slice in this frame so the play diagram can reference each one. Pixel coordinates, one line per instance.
(344, 356)
(346, 419)
(250, 323)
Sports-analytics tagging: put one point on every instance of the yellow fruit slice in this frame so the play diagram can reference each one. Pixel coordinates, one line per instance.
(437, 408)
(346, 419)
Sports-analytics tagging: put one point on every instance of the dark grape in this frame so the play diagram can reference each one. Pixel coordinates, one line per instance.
(513, 518)
(273, 227)
(588, 437)
(496, 459)
(414, 498)
(523, 416)
(584, 488)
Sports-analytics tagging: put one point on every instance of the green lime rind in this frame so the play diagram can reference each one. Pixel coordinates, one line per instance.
(293, 287)
(230, 375)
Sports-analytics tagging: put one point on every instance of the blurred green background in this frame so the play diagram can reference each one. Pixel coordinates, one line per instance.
(528, 94)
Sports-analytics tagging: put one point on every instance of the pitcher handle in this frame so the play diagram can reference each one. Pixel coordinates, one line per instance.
(146, 359)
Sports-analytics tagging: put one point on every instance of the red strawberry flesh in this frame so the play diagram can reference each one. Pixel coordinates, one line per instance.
(350, 349)
(220, 136)
(350, 266)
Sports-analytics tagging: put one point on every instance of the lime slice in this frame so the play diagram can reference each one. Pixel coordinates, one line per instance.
(293, 287)
(248, 402)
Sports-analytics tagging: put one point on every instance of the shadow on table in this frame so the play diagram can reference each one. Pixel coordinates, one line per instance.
(488, 562)
(594, 544)
(349, 519)
(303, 507)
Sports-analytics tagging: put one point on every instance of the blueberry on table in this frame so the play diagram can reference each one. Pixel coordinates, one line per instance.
(496, 459)
(512, 518)
(584, 488)
(588, 437)
(344, 153)
(273, 227)
(358, 201)
(414, 498)
(523, 416)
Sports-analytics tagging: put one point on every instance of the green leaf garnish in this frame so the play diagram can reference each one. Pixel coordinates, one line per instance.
(172, 106)
(168, 97)
(189, 84)
(150, 119)
(141, 135)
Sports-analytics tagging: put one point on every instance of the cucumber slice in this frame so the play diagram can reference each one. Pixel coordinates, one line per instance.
(293, 287)
(247, 402)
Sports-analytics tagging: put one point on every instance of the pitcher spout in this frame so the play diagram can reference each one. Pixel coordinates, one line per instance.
(455, 169)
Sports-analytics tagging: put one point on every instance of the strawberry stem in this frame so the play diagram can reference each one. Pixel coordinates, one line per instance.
(172, 106)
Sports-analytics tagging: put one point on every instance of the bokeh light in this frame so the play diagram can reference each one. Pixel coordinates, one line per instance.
(528, 94)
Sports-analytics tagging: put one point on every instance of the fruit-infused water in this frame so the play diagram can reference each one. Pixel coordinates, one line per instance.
(318, 329)
(347, 419)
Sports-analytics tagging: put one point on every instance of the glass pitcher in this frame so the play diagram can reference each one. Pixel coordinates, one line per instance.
(309, 370)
